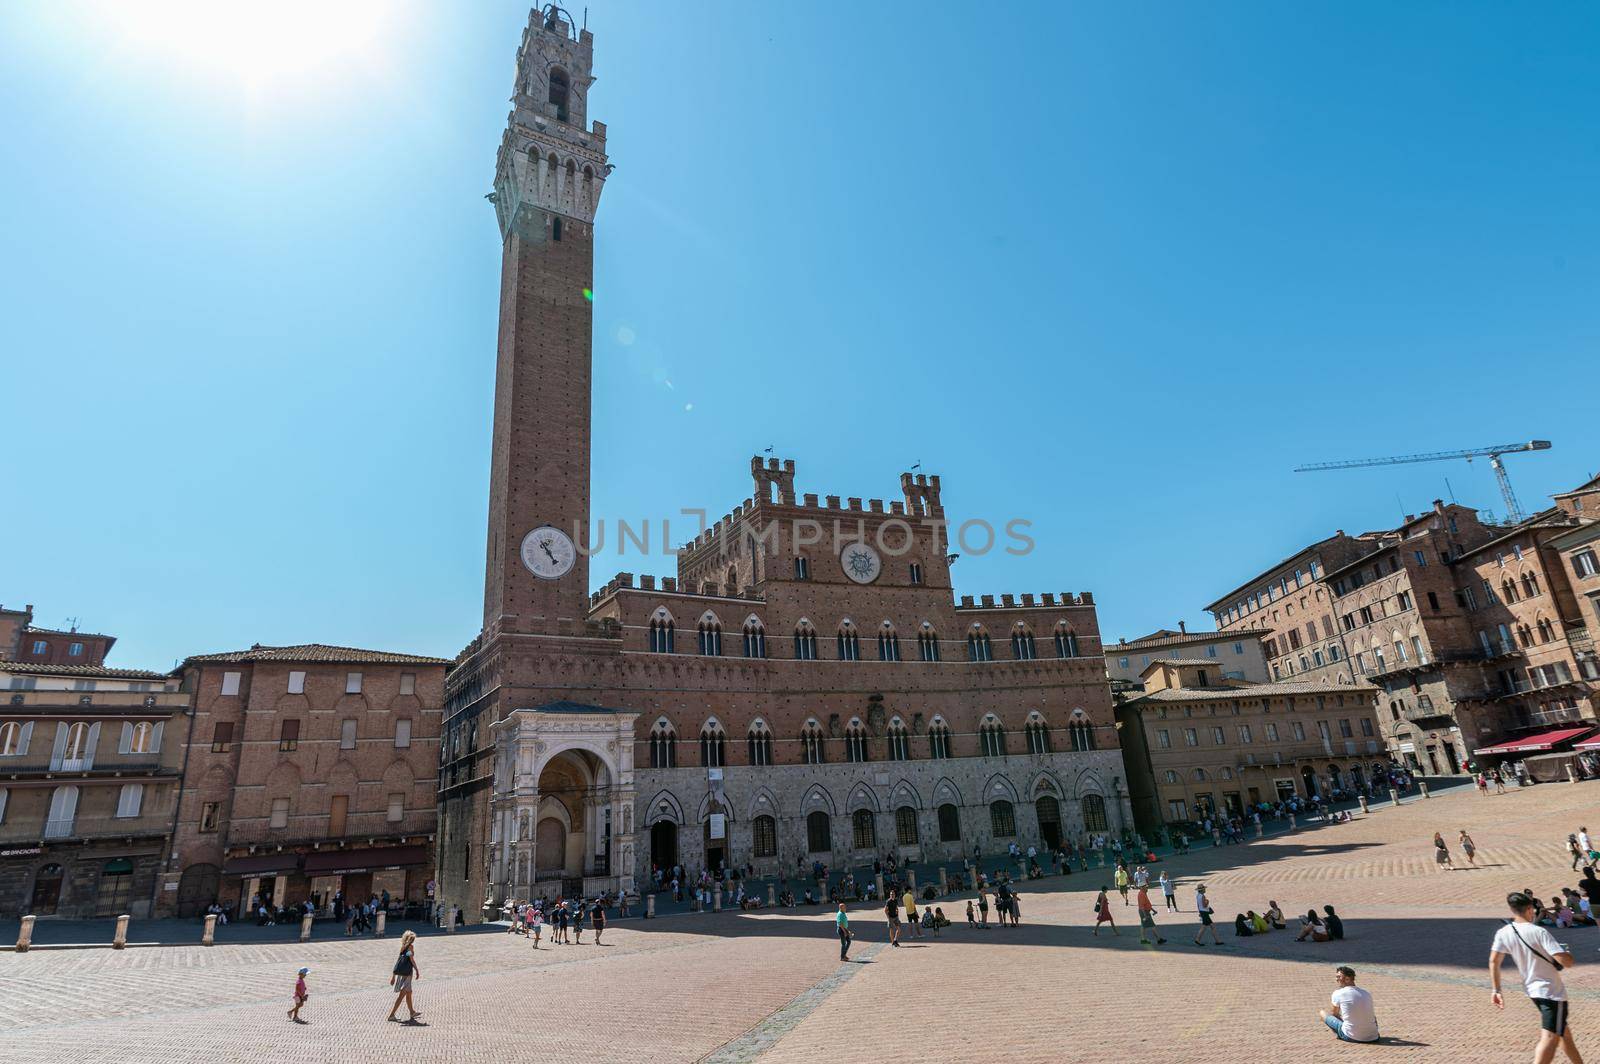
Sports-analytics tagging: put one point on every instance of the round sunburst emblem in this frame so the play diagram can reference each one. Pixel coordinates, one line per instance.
(860, 563)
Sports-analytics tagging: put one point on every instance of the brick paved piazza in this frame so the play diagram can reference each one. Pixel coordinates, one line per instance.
(768, 985)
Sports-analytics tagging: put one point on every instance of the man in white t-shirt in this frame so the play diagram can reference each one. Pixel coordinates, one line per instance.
(1351, 1016)
(1540, 959)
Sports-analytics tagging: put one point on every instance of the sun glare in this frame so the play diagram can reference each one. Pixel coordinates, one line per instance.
(286, 41)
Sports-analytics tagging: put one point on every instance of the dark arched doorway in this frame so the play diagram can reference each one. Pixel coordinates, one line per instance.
(1309, 775)
(715, 833)
(550, 847)
(197, 888)
(46, 891)
(1049, 812)
(664, 844)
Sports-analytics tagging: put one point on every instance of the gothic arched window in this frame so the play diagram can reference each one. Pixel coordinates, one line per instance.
(760, 743)
(855, 743)
(849, 644)
(662, 635)
(899, 742)
(711, 638)
(805, 642)
(992, 738)
(755, 640)
(811, 744)
(979, 647)
(938, 740)
(713, 746)
(1066, 641)
(1022, 647)
(1038, 733)
(928, 643)
(663, 746)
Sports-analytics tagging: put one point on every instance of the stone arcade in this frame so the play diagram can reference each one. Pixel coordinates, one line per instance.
(805, 688)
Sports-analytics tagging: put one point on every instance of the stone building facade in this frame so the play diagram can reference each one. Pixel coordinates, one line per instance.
(90, 761)
(52, 646)
(1239, 653)
(1196, 743)
(312, 769)
(806, 687)
(12, 623)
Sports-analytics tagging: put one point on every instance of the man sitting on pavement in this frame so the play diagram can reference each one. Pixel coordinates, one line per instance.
(1351, 1016)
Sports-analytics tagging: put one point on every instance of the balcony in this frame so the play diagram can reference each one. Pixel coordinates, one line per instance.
(152, 822)
(86, 767)
(148, 705)
(1429, 712)
(1565, 715)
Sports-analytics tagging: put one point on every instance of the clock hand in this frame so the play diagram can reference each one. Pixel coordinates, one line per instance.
(545, 543)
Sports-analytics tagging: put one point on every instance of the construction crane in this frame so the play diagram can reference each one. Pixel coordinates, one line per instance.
(1514, 512)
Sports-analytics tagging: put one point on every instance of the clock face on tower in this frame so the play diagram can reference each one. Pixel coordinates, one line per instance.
(548, 552)
(861, 563)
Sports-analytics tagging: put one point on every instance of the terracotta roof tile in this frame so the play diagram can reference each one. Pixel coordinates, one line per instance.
(316, 653)
(33, 669)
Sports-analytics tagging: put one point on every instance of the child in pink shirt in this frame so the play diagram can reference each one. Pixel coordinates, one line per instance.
(300, 995)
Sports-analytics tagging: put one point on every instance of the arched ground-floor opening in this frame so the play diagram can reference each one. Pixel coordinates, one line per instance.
(1048, 811)
(664, 844)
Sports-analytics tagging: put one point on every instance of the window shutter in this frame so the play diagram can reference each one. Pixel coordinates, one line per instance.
(4, 793)
(155, 736)
(94, 742)
(27, 734)
(60, 746)
(125, 744)
(130, 800)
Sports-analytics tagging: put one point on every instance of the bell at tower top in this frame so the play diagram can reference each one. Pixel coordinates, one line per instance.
(553, 68)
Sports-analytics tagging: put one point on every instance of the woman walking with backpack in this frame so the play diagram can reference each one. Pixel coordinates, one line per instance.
(405, 970)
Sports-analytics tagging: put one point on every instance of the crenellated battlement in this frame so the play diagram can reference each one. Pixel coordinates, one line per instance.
(1045, 600)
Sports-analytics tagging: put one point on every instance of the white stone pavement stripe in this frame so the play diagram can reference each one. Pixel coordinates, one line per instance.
(766, 1034)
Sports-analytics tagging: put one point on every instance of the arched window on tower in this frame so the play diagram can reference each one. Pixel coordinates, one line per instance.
(928, 642)
(805, 642)
(979, 648)
(710, 637)
(849, 643)
(1022, 647)
(811, 744)
(899, 742)
(713, 746)
(663, 746)
(1066, 641)
(760, 742)
(662, 635)
(1038, 733)
(992, 738)
(560, 92)
(855, 742)
(888, 643)
(938, 740)
(755, 640)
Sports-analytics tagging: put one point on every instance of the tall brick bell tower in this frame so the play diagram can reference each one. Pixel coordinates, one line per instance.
(549, 174)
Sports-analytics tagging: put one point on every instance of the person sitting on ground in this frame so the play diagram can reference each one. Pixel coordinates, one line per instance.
(1563, 912)
(1258, 923)
(1275, 916)
(1242, 927)
(1334, 925)
(1313, 928)
(809, 900)
(939, 918)
(1350, 1016)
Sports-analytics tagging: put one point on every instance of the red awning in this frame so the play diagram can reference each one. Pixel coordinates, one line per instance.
(1533, 743)
(264, 862)
(1589, 744)
(335, 862)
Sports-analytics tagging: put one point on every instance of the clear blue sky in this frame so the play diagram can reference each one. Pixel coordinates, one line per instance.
(1113, 268)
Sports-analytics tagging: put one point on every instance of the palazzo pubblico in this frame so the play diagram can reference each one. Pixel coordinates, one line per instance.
(807, 688)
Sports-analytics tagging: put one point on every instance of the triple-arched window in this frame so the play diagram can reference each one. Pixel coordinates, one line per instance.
(928, 643)
(662, 635)
(755, 640)
(991, 738)
(899, 742)
(812, 744)
(849, 643)
(1038, 733)
(713, 746)
(979, 647)
(663, 746)
(1081, 734)
(805, 642)
(1066, 641)
(939, 740)
(888, 643)
(711, 638)
(855, 743)
(1022, 647)
(760, 742)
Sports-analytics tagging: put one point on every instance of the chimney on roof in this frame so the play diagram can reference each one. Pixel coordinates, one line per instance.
(1123, 641)
(1183, 628)
(1438, 506)
(1338, 532)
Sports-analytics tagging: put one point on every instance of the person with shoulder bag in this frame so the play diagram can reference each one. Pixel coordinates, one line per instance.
(405, 970)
